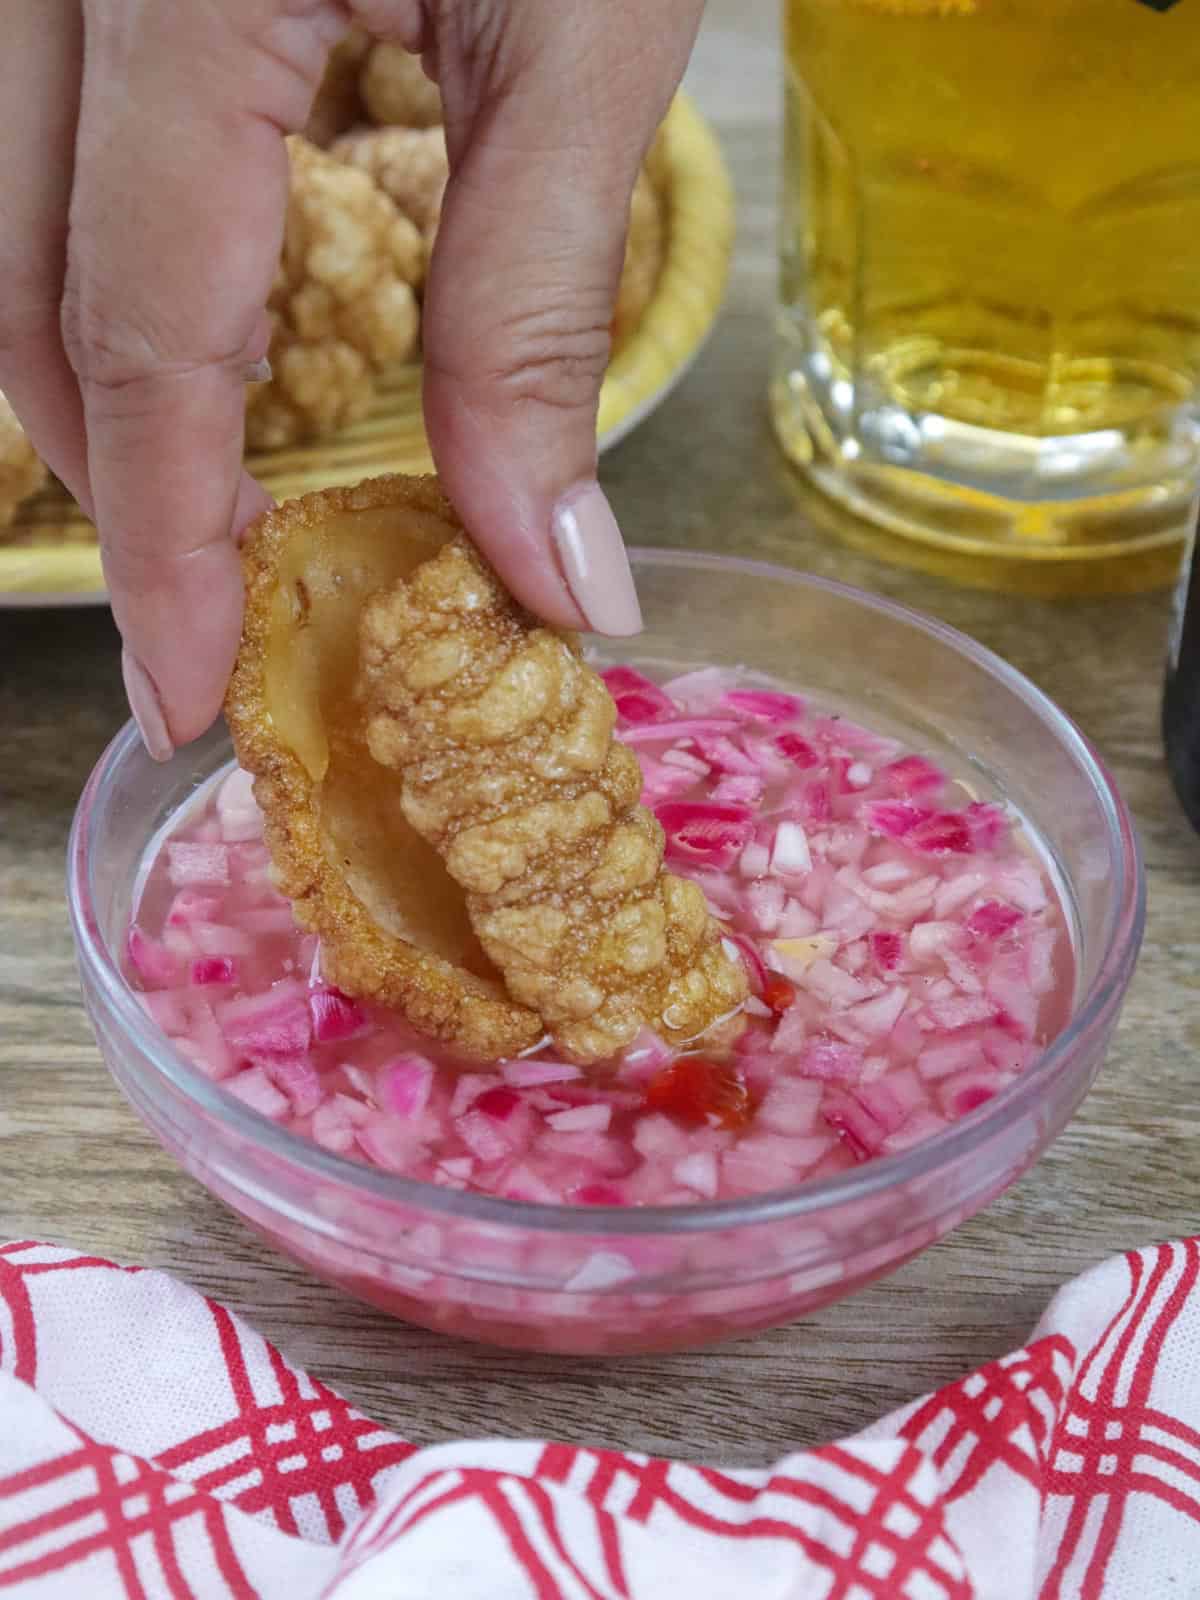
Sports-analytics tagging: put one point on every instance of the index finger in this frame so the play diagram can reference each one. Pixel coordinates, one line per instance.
(176, 222)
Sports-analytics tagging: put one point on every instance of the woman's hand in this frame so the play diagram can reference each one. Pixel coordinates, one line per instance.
(141, 213)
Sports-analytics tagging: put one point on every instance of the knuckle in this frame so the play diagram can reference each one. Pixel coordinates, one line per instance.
(106, 349)
(119, 354)
(541, 357)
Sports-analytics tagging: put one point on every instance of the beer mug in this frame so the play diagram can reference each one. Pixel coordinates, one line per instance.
(989, 322)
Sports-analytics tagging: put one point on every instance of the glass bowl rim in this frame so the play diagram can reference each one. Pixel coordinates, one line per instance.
(102, 969)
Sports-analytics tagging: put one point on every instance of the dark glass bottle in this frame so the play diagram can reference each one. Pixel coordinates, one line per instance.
(1181, 699)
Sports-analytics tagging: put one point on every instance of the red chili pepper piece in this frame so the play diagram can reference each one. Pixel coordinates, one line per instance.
(697, 1090)
(778, 993)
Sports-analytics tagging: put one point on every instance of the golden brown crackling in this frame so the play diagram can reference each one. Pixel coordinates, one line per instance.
(561, 868)
(342, 304)
(410, 165)
(440, 997)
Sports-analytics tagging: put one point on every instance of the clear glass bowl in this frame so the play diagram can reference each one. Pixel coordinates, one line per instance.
(611, 1280)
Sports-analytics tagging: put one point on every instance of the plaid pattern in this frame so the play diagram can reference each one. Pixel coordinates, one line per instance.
(152, 1446)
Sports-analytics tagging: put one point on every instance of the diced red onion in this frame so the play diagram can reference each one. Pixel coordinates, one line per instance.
(332, 1128)
(405, 1084)
(854, 1124)
(962, 1012)
(152, 961)
(645, 1055)
(581, 1119)
(276, 1022)
(219, 939)
(674, 757)
(992, 920)
(603, 1269)
(702, 689)
(927, 940)
(468, 1086)
(388, 1142)
(948, 1056)
(598, 1194)
(736, 789)
(190, 906)
(796, 751)
(296, 1077)
(894, 819)
(913, 775)
(879, 1015)
(254, 1089)
(638, 699)
(334, 1014)
(764, 901)
(214, 969)
(791, 1105)
(482, 1137)
(790, 854)
(833, 985)
(920, 1125)
(169, 1009)
(704, 834)
(189, 863)
(237, 811)
(680, 729)
(764, 705)
(699, 1172)
(529, 1074)
(830, 1061)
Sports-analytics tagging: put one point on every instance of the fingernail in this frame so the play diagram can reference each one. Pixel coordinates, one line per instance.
(592, 555)
(257, 371)
(147, 709)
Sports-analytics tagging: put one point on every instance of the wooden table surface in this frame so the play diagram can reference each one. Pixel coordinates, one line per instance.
(77, 1167)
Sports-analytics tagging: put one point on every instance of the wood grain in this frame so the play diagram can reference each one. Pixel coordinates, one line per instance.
(76, 1166)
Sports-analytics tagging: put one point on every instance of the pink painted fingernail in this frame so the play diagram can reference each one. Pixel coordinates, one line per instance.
(592, 555)
(147, 708)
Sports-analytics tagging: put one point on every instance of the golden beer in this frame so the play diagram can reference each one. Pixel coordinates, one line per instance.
(990, 275)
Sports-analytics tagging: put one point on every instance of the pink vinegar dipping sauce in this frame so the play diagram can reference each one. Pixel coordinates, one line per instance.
(907, 950)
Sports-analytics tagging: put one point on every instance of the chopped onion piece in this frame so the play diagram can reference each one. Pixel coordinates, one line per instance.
(602, 1270)
(405, 1084)
(790, 854)
(197, 863)
(530, 1074)
(765, 705)
(581, 1119)
(253, 1088)
(699, 1172)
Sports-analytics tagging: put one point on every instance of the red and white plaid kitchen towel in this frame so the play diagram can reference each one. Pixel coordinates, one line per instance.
(153, 1445)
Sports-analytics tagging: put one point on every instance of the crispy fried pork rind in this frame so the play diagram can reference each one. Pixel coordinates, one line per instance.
(21, 470)
(443, 799)
(393, 926)
(502, 739)
(395, 89)
(342, 305)
(408, 164)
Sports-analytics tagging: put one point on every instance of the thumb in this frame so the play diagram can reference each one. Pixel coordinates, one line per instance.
(547, 118)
